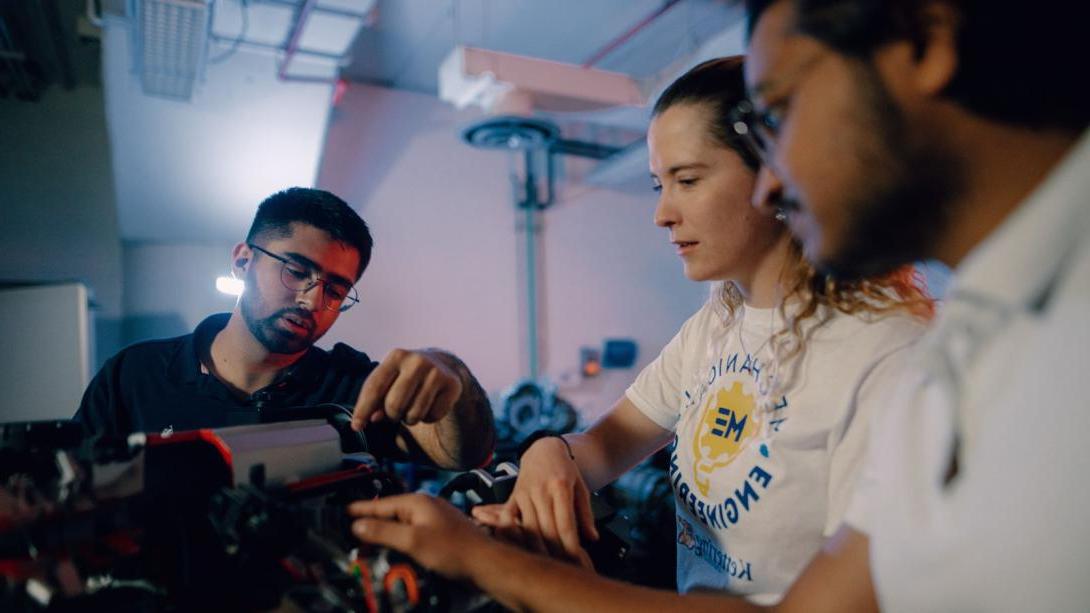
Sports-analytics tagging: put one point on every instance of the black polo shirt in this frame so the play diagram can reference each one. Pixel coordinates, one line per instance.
(157, 385)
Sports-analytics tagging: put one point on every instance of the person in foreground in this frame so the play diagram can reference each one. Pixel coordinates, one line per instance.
(300, 261)
(902, 131)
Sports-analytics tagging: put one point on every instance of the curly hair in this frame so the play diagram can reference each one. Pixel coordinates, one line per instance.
(813, 296)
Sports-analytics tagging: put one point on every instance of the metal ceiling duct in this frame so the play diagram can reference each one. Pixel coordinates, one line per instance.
(170, 45)
(517, 84)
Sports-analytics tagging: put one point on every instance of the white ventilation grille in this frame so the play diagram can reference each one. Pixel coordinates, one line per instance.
(170, 45)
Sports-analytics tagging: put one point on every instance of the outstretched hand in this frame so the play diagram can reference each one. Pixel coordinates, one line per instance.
(427, 529)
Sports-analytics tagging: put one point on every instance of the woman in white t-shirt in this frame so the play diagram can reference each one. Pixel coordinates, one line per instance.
(765, 392)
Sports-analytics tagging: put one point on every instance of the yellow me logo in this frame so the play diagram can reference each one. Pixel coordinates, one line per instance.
(728, 422)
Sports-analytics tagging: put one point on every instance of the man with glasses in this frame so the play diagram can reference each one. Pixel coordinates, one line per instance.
(300, 261)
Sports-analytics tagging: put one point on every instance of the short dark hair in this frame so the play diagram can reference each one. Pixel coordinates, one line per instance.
(1014, 61)
(719, 84)
(313, 207)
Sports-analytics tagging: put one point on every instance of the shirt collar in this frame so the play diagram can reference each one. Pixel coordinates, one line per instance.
(1019, 262)
(187, 363)
(198, 346)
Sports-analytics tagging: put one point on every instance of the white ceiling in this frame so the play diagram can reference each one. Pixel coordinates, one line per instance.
(194, 171)
(410, 37)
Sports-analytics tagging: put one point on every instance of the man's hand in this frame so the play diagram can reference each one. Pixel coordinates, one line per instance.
(427, 529)
(550, 502)
(408, 386)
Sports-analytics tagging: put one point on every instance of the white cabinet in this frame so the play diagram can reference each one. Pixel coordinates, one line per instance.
(45, 351)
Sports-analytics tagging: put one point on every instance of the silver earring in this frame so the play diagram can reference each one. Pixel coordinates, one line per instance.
(781, 215)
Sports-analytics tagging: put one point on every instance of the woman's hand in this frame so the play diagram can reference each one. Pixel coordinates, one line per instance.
(550, 506)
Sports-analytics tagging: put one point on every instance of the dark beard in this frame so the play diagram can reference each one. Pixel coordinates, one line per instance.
(273, 338)
(901, 204)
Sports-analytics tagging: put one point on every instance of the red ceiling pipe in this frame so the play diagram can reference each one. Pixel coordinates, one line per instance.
(623, 38)
(293, 46)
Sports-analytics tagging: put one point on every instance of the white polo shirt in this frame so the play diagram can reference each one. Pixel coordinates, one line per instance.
(1000, 384)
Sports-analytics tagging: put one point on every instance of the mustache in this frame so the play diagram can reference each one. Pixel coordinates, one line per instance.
(300, 314)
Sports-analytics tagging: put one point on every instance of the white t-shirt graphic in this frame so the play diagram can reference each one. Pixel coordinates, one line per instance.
(753, 508)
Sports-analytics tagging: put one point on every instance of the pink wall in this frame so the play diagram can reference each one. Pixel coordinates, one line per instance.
(446, 270)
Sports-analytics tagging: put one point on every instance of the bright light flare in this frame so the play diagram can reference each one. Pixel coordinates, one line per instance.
(230, 285)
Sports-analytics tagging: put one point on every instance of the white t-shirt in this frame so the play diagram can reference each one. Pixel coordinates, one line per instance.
(999, 385)
(752, 511)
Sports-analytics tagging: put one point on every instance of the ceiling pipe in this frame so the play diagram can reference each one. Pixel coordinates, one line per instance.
(93, 16)
(273, 48)
(329, 10)
(623, 38)
(293, 47)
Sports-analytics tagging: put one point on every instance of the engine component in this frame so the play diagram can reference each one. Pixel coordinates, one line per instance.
(241, 518)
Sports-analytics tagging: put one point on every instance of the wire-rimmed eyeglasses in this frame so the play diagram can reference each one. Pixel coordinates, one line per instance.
(298, 277)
